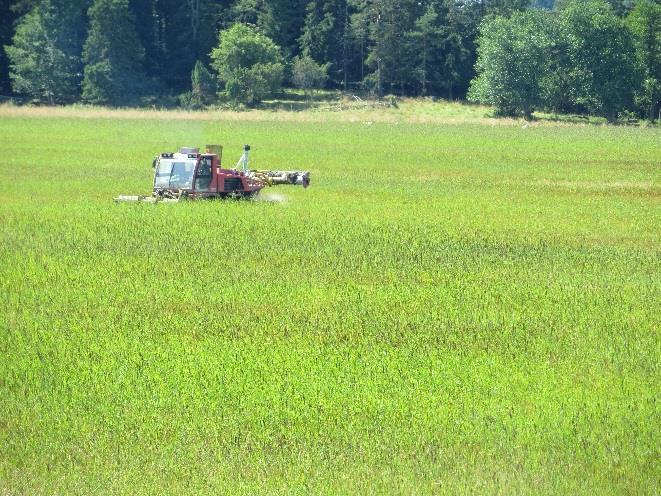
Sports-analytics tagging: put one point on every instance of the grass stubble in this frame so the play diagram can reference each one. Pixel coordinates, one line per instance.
(452, 307)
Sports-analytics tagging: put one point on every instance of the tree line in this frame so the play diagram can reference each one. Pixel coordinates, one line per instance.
(519, 55)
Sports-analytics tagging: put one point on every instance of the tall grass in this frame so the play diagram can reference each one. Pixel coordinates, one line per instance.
(462, 308)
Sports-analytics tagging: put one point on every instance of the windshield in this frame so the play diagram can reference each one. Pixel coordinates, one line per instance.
(174, 173)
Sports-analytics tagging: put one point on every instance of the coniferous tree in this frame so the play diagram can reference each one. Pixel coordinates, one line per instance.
(203, 85)
(247, 11)
(113, 55)
(424, 43)
(325, 35)
(622, 7)
(7, 18)
(358, 34)
(280, 20)
(457, 47)
(150, 23)
(389, 21)
(186, 32)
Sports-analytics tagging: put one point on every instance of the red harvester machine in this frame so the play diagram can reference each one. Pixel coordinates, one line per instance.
(189, 174)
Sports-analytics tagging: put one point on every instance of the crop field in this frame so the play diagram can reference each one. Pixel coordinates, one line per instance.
(452, 307)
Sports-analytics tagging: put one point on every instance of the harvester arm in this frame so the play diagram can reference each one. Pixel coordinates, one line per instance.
(272, 178)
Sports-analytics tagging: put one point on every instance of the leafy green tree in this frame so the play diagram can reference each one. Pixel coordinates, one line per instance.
(35, 64)
(248, 64)
(44, 57)
(644, 21)
(113, 55)
(307, 75)
(512, 62)
(556, 86)
(602, 72)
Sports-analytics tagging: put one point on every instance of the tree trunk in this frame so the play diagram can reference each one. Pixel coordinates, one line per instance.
(362, 59)
(345, 48)
(652, 113)
(424, 67)
(194, 6)
(610, 116)
(378, 70)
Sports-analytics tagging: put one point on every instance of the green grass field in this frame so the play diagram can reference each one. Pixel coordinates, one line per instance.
(451, 307)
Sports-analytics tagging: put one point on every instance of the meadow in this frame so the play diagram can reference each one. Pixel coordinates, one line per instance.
(456, 305)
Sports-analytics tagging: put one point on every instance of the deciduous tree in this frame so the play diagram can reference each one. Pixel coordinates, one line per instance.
(248, 64)
(602, 72)
(644, 21)
(307, 75)
(513, 56)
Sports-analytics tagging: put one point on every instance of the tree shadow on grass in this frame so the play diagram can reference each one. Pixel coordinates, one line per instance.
(297, 101)
(570, 119)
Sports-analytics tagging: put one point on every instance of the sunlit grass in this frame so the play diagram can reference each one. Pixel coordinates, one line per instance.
(332, 110)
(448, 308)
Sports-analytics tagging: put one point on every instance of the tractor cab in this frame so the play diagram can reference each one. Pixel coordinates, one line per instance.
(198, 175)
(175, 171)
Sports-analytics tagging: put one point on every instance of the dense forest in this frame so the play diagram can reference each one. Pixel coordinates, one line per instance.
(599, 56)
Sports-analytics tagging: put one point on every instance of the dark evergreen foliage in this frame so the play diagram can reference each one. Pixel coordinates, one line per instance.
(113, 55)
(203, 86)
(140, 51)
(45, 54)
(7, 18)
(325, 37)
